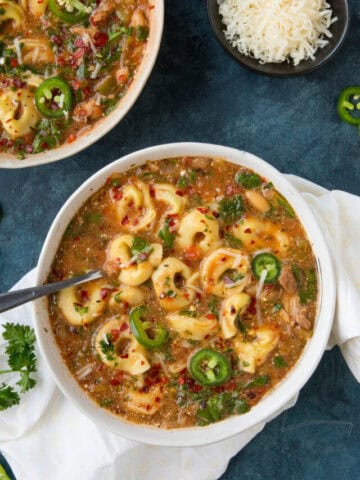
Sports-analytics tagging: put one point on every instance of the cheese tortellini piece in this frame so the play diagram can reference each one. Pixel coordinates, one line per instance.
(172, 282)
(133, 271)
(36, 51)
(167, 193)
(253, 353)
(37, 7)
(194, 328)
(135, 209)
(199, 228)
(230, 309)
(127, 355)
(18, 113)
(144, 403)
(225, 272)
(256, 234)
(127, 295)
(13, 12)
(82, 305)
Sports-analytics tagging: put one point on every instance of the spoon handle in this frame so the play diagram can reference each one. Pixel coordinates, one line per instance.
(18, 297)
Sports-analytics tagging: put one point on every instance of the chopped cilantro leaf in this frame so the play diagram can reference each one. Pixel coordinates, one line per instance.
(248, 180)
(166, 236)
(279, 362)
(231, 209)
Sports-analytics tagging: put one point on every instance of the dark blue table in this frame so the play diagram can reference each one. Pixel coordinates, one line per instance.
(198, 93)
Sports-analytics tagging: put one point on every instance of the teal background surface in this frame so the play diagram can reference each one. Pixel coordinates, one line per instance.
(197, 93)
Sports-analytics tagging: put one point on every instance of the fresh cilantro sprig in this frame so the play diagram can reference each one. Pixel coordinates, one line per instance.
(20, 351)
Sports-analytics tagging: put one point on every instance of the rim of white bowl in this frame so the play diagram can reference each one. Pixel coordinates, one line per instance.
(104, 125)
(274, 401)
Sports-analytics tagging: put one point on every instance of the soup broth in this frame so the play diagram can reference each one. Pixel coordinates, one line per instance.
(209, 298)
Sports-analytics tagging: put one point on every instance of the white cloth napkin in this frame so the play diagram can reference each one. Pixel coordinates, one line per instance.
(46, 437)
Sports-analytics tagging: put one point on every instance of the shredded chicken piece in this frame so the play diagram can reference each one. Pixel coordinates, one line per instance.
(85, 110)
(102, 11)
(296, 312)
(287, 280)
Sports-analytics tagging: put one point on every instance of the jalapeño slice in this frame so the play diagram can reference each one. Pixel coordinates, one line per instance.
(150, 335)
(268, 262)
(348, 103)
(210, 368)
(69, 11)
(54, 97)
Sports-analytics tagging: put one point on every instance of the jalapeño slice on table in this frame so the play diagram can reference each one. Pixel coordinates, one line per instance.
(54, 97)
(69, 11)
(150, 335)
(268, 262)
(210, 368)
(348, 103)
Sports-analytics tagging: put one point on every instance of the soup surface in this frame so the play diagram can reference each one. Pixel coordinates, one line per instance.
(209, 298)
(64, 64)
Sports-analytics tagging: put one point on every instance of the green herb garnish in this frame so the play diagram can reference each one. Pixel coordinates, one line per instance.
(220, 406)
(232, 241)
(166, 236)
(20, 351)
(279, 362)
(259, 381)
(231, 209)
(248, 180)
(107, 347)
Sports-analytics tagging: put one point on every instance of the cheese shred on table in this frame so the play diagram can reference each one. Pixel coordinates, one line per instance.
(275, 31)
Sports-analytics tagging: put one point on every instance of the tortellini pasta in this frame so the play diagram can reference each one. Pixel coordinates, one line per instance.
(37, 7)
(126, 295)
(36, 51)
(167, 193)
(199, 228)
(253, 353)
(171, 282)
(82, 305)
(194, 328)
(230, 309)
(135, 209)
(133, 271)
(13, 12)
(256, 234)
(128, 355)
(144, 403)
(225, 272)
(18, 113)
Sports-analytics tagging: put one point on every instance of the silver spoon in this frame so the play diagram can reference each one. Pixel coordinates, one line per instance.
(18, 297)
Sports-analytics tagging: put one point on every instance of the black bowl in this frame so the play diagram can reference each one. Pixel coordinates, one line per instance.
(339, 29)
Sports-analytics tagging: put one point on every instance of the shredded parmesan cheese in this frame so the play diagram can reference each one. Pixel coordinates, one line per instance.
(18, 51)
(96, 71)
(261, 283)
(278, 30)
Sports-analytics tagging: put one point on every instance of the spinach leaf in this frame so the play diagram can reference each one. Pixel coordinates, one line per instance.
(231, 209)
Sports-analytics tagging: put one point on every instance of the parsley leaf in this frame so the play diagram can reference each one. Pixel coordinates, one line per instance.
(279, 362)
(259, 381)
(140, 247)
(166, 236)
(248, 180)
(231, 209)
(107, 347)
(8, 397)
(213, 306)
(232, 241)
(219, 406)
(20, 351)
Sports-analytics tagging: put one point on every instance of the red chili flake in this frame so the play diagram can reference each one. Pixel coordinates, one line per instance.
(210, 316)
(148, 407)
(252, 242)
(181, 381)
(126, 355)
(86, 91)
(100, 367)
(187, 295)
(100, 39)
(125, 220)
(151, 191)
(142, 362)
(157, 399)
(247, 230)
(104, 292)
(71, 138)
(13, 62)
(151, 7)
(124, 327)
(84, 295)
(164, 380)
(114, 382)
(117, 193)
(180, 193)
(232, 310)
(56, 39)
(115, 334)
(61, 60)
(203, 210)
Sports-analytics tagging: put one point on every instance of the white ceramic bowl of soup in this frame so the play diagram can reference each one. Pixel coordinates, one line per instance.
(104, 125)
(277, 398)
